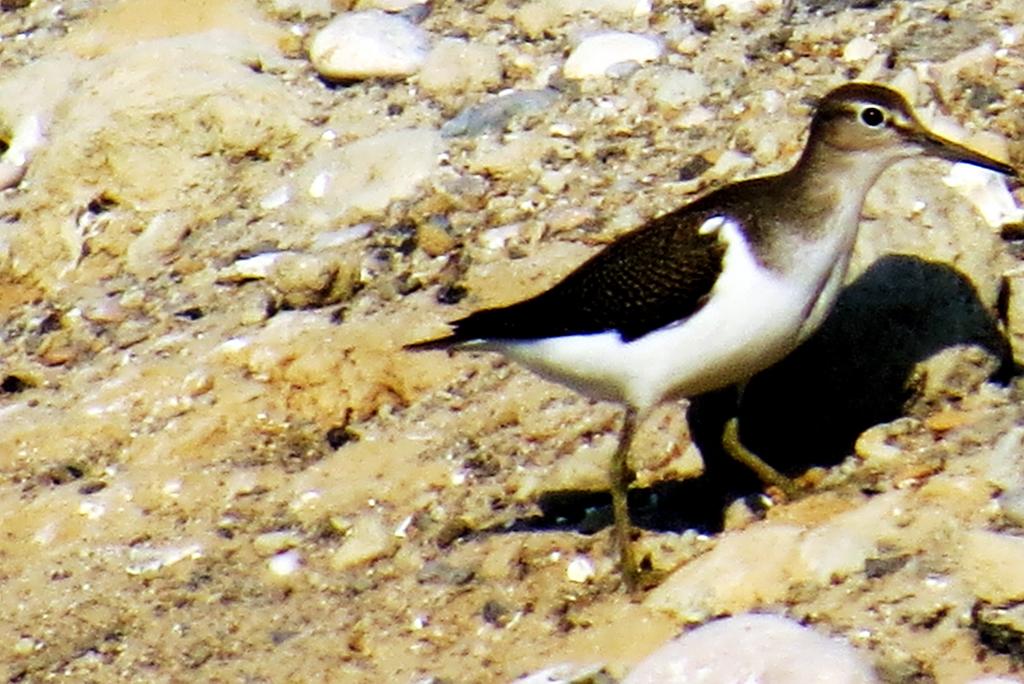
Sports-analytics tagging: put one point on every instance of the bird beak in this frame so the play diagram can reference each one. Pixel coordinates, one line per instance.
(937, 146)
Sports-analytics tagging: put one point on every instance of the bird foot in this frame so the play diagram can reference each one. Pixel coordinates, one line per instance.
(637, 575)
(772, 478)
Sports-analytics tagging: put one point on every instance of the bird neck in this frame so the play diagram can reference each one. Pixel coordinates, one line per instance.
(813, 207)
(827, 176)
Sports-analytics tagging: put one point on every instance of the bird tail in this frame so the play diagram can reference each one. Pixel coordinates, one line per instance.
(437, 344)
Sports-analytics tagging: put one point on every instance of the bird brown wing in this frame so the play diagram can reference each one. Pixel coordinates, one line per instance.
(661, 273)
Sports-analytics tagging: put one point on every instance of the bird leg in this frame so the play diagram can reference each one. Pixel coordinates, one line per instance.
(767, 474)
(620, 479)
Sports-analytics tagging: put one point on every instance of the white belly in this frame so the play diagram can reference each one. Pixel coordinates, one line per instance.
(753, 319)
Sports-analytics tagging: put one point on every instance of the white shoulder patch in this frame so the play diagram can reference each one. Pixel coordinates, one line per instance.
(712, 225)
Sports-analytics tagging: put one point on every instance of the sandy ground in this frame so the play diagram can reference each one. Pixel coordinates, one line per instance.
(216, 468)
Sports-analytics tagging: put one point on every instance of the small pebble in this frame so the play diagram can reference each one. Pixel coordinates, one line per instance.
(739, 9)
(197, 383)
(367, 540)
(496, 613)
(442, 572)
(302, 8)
(24, 646)
(250, 268)
(597, 53)
(1011, 507)
(456, 66)
(677, 88)
(580, 570)
(433, 239)
(369, 44)
(149, 560)
(565, 218)
(859, 49)
(1005, 465)
(285, 563)
(28, 135)
(494, 114)
(310, 280)
(159, 240)
(276, 198)
(730, 164)
(104, 310)
(270, 543)
(495, 238)
(11, 174)
(336, 238)
(875, 445)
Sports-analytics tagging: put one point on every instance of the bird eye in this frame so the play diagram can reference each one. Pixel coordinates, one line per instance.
(872, 116)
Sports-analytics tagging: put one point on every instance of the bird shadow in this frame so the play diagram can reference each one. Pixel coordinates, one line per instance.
(808, 409)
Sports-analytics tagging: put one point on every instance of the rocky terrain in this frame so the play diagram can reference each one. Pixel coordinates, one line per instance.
(221, 220)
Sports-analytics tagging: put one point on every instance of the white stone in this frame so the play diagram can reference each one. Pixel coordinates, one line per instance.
(365, 176)
(874, 447)
(285, 563)
(11, 174)
(772, 101)
(250, 268)
(276, 198)
(28, 135)
(597, 53)
(369, 44)
(859, 49)
(149, 560)
(730, 164)
(580, 570)
(987, 191)
(495, 238)
(753, 648)
(695, 116)
(337, 238)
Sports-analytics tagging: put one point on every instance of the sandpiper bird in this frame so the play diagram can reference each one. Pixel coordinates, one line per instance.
(708, 295)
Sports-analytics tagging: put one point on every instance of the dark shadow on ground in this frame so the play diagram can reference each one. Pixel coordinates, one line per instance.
(809, 409)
